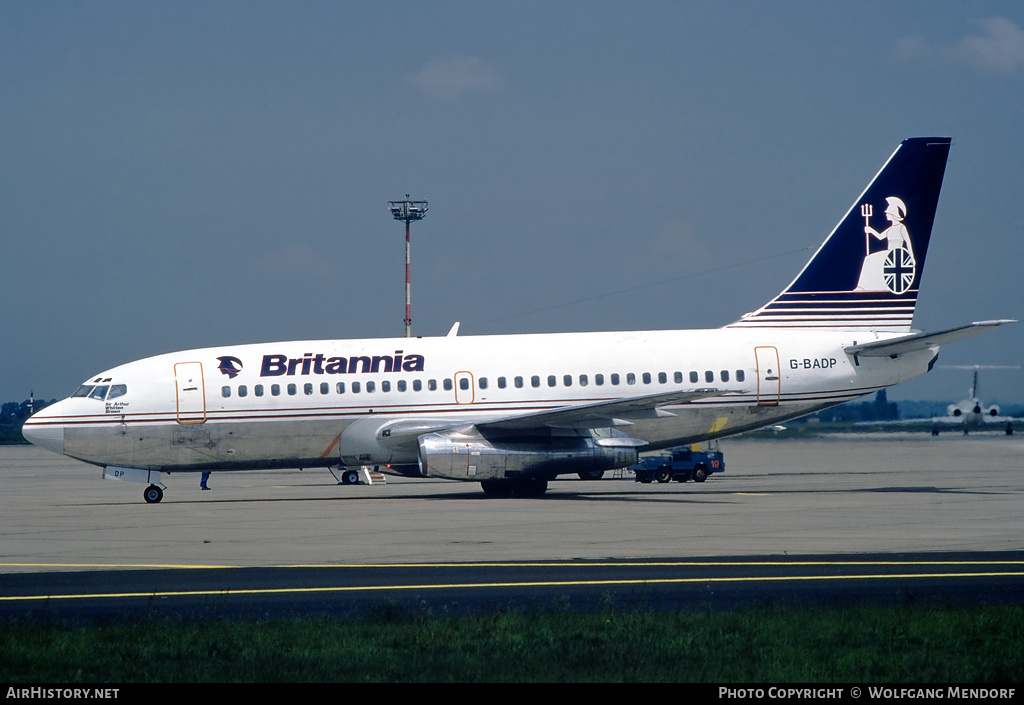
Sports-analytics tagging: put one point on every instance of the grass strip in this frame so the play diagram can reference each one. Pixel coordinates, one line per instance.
(978, 644)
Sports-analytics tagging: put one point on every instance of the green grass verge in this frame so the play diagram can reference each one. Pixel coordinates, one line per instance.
(779, 645)
(10, 435)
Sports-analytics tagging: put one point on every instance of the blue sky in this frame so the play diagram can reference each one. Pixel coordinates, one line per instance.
(179, 174)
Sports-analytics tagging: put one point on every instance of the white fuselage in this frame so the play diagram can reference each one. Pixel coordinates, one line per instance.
(326, 403)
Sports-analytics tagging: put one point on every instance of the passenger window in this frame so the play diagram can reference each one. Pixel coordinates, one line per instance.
(307, 388)
(519, 382)
(447, 384)
(275, 390)
(325, 388)
(630, 378)
(432, 385)
(709, 376)
(483, 383)
(385, 386)
(693, 377)
(583, 380)
(599, 380)
(535, 381)
(292, 389)
(501, 383)
(340, 387)
(401, 385)
(243, 390)
(567, 380)
(662, 378)
(677, 377)
(740, 376)
(417, 385)
(225, 391)
(647, 377)
(371, 387)
(258, 390)
(356, 387)
(725, 375)
(464, 383)
(615, 377)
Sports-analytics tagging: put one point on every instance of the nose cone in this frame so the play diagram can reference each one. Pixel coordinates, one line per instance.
(45, 432)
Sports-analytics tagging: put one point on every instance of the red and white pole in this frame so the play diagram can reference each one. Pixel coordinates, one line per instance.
(408, 211)
(408, 287)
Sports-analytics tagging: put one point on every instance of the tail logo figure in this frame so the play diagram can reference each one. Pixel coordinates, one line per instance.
(893, 268)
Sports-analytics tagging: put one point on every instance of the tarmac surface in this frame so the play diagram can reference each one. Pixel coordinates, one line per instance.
(871, 517)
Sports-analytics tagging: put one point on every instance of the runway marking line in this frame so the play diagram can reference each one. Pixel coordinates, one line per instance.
(509, 564)
(559, 583)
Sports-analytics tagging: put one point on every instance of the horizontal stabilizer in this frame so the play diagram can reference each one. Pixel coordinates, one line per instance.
(920, 341)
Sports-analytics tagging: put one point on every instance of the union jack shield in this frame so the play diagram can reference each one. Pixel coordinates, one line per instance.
(898, 270)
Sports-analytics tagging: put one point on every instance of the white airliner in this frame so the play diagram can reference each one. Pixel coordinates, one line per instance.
(514, 411)
(971, 414)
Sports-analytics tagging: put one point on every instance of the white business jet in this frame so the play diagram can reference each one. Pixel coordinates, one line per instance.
(514, 411)
(970, 413)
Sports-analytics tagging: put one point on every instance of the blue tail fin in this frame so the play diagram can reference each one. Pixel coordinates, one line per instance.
(867, 273)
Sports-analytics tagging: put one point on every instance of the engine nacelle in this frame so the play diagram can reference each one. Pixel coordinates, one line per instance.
(470, 456)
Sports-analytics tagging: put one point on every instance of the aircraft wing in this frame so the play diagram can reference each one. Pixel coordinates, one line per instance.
(602, 414)
(895, 347)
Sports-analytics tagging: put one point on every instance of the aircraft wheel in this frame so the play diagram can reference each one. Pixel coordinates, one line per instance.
(153, 494)
(700, 473)
(350, 477)
(496, 488)
(591, 474)
(530, 488)
(663, 474)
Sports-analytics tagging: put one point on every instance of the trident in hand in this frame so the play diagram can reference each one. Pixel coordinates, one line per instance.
(866, 210)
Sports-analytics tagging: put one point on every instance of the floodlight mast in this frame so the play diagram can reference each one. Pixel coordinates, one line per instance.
(408, 211)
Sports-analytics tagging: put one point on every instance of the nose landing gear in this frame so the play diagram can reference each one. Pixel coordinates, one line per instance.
(153, 494)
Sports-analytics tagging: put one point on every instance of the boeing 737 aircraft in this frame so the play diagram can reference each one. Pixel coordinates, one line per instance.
(514, 411)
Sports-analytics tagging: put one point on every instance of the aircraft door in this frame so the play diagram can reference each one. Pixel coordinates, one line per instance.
(464, 393)
(769, 377)
(190, 392)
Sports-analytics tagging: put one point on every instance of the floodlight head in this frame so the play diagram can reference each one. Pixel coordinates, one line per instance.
(408, 210)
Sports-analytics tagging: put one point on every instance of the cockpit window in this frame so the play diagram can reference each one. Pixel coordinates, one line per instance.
(100, 391)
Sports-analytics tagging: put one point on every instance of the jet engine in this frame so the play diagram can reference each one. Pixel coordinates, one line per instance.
(472, 456)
